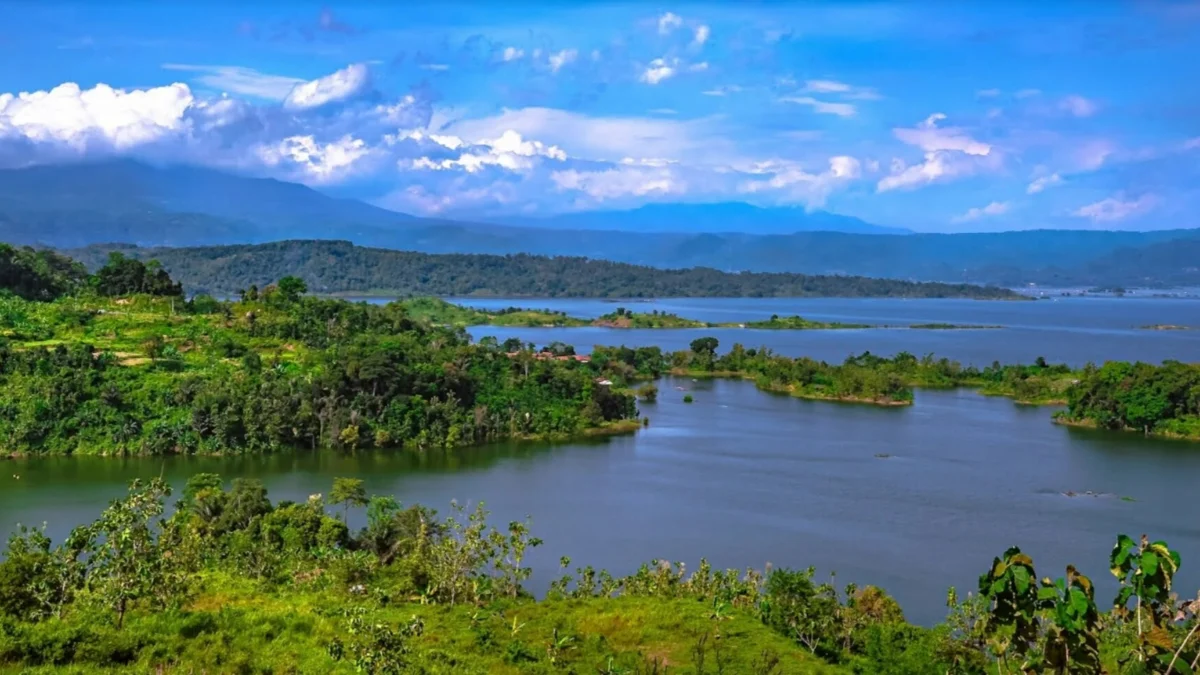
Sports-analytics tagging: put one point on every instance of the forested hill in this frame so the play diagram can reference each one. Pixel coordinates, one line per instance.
(340, 267)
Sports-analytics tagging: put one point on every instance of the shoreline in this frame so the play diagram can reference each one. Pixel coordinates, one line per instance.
(790, 390)
(1085, 423)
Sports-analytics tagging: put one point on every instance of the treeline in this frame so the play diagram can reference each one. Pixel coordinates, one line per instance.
(1151, 399)
(45, 275)
(863, 378)
(340, 267)
(232, 582)
(273, 370)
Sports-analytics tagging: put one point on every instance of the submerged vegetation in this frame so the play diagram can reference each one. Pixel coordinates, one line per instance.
(232, 582)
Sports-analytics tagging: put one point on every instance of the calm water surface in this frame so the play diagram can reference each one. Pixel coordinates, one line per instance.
(1068, 330)
(745, 478)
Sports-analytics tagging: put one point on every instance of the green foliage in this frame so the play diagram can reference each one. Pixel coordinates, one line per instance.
(340, 267)
(38, 275)
(129, 276)
(1139, 396)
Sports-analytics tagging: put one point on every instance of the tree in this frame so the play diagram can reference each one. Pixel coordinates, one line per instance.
(291, 288)
(705, 351)
(126, 559)
(348, 492)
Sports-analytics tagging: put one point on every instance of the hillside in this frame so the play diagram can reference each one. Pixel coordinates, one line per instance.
(73, 206)
(735, 217)
(341, 267)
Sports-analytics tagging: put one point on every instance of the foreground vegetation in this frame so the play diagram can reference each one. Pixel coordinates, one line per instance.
(340, 267)
(231, 582)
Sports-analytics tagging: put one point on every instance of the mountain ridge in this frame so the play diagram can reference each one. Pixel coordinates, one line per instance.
(71, 206)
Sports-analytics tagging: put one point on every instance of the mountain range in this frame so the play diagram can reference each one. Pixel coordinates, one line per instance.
(71, 206)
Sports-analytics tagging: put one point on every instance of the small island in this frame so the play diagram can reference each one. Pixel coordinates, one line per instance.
(1166, 326)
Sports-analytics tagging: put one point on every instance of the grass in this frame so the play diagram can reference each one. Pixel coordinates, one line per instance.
(232, 625)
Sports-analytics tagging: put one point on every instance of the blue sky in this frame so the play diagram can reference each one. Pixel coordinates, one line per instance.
(938, 116)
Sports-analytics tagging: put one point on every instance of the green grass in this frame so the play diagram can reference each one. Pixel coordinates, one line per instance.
(231, 625)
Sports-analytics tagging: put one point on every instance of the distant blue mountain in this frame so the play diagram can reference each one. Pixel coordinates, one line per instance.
(72, 206)
(715, 218)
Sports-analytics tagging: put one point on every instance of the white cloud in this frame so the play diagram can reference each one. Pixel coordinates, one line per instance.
(1192, 143)
(337, 86)
(949, 152)
(238, 80)
(1116, 208)
(841, 88)
(619, 182)
(1028, 93)
(604, 138)
(664, 111)
(100, 118)
(931, 138)
(1042, 183)
(992, 209)
(701, 36)
(698, 67)
(512, 53)
(437, 67)
(658, 70)
(1078, 106)
(987, 93)
(790, 180)
(321, 163)
(510, 151)
(669, 22)
(562, 58)
(823, 107)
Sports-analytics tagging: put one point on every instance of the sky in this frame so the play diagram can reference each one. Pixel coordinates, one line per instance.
(937, 116)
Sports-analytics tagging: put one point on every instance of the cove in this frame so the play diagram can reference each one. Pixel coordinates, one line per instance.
(748, 478)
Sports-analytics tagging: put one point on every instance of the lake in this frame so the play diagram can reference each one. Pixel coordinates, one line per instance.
(1063, 330)
(746, 478)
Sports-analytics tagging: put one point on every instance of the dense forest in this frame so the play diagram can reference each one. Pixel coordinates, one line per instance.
(155, 374)
(330, 267)
(232, 582)
(1162, 400)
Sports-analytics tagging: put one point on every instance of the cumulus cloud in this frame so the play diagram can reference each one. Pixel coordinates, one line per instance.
(559, 59)
(948, 152)
(1041, 183)
(992, 209)
(823, 107)
(340, 85)
(658, 70)
(701, 35)
(669, 22)
(99, 118)
(1116, 208)
(319, 162)
(791, 180)
(512, 53)
(510, 151)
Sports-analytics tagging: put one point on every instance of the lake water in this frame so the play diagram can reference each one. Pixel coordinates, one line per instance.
(746, 478)
(1064, 330)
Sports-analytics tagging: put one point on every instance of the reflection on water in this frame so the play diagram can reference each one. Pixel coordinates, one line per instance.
(747, 478)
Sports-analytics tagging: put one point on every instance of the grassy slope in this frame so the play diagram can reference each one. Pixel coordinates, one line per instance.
(231, 626)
